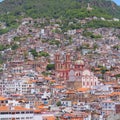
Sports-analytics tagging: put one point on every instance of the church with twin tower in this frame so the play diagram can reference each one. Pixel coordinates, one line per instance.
(74, 72)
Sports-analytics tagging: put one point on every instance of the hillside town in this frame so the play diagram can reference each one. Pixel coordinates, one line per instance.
(50, 74)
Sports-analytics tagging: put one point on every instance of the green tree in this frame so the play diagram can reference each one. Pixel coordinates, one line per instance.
(16, 38)
(14, 47)
(3, 31)
(2, 47)
(44, 54)
(58, 103)
(95, 46)
(34, 53)
(50, 67)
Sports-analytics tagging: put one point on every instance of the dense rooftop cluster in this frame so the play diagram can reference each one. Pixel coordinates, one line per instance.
(50, 74)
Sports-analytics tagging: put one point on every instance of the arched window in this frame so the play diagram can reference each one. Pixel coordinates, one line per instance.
(76, 74)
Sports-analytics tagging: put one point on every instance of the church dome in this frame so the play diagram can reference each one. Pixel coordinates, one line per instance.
(86, 72)
(79, 62)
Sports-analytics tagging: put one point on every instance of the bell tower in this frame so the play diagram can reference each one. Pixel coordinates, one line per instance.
(62, 65)
(57, 61)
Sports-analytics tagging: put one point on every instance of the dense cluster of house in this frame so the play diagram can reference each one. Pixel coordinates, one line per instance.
(85, 84)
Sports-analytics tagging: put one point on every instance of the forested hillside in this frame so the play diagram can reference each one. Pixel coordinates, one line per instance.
(11, 11)
(58, 8)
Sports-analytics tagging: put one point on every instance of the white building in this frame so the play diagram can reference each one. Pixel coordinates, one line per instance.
(88, 79)
(15, 113)
(22, 86)
(43, 116)
(66, 103)
(108, 107)
(11, 110)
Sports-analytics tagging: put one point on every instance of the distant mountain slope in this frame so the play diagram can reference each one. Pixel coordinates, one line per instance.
(106, 5)
(58, 8)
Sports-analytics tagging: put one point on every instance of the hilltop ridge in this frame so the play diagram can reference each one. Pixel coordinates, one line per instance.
(13, 11)
(58, 8)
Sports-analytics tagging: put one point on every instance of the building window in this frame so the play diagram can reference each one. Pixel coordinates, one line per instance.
(83, 83)
(27, 118)
(17, 112)
(17, 118)
(91, 83)
(87, 83)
